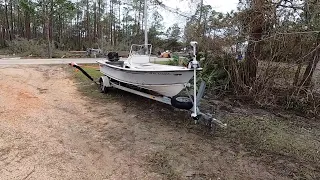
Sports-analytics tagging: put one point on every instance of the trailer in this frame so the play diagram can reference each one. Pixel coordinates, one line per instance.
(180, 102)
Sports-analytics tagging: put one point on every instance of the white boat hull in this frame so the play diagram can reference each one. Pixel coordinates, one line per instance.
(168, 83)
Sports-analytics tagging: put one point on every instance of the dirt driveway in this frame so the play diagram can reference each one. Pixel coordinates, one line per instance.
(48, 130)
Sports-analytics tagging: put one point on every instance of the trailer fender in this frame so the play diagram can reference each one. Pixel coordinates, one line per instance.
(104, 84)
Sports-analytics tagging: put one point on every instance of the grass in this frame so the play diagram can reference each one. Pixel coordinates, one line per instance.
(92, 69)
(86, 86)
(275, 138)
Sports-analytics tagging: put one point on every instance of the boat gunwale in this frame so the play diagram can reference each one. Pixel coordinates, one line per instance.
(145, 70)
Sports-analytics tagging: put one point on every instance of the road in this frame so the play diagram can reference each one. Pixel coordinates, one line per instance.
(17, 61)
(14, 61)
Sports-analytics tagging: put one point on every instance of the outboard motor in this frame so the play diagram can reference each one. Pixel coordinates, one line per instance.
(113, 56)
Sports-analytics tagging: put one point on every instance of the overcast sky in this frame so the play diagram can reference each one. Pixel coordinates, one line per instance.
(188, 7)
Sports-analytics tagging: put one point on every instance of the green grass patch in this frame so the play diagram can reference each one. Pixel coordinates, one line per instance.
(91, 69)
(86, 86)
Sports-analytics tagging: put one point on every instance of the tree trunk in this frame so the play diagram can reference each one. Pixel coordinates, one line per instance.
(51, 21)
(99, 32)
(126, 29)
(7, 21)
(3, 29)
(11, 18)
(106, 24)
(88, 23)
(19, 27)
(116, 32)
(253, 50)
(199, 21)
(119, 32)
(77, 39)
(111, 23)
(44, 20)
(297, 74)
(46, 30)
(312, 64)
(47, 25)
(34, 33)
(95, 22)
(60, 29)
(135, 31)
(3, 36)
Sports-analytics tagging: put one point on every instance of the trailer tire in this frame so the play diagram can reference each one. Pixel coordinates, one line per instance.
(182, 102)
(102, 87)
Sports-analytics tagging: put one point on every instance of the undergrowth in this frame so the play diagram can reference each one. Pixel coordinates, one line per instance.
(276, 141)
(272, 89)
(33, 48)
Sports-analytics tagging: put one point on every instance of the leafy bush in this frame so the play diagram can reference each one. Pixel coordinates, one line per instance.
(174, 61)
(214, 72)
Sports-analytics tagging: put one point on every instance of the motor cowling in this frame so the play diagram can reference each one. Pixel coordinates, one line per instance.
(113, 56)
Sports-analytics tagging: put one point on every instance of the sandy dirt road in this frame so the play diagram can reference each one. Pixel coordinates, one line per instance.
(48, 130)
(16, 61)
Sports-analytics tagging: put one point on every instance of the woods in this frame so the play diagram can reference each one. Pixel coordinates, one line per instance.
(75, 25)
(266, 51)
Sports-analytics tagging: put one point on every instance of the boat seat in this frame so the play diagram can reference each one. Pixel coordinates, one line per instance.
(116, 63)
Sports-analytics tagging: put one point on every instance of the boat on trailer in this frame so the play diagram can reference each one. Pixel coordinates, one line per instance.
(159, 82)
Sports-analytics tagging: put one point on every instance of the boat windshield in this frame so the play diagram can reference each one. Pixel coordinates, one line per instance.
(141, 49)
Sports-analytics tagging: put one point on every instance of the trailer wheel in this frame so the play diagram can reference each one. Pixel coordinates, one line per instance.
(182, 102)
(102, 87)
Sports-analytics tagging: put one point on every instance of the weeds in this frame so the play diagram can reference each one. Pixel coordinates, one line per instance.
(271, 135)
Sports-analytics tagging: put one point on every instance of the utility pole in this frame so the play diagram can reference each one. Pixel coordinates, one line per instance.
(145, 24)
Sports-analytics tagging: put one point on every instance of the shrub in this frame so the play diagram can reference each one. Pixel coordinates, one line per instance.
(34, 48)
(214, 72)
(26, 47)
